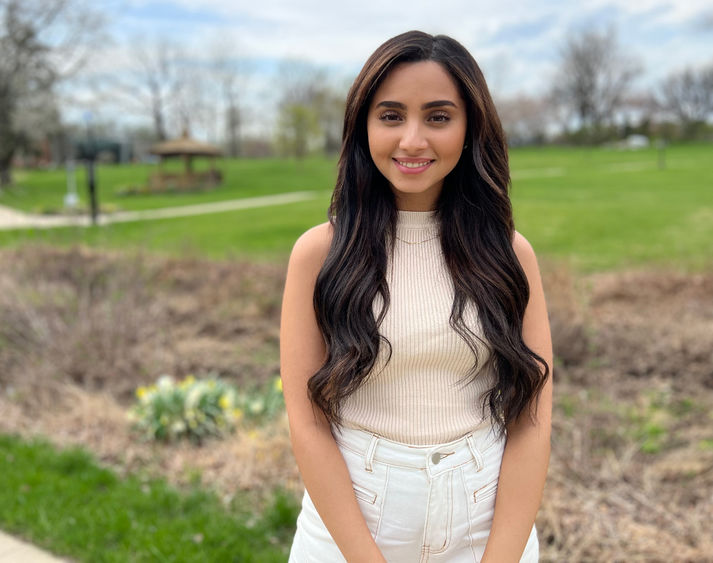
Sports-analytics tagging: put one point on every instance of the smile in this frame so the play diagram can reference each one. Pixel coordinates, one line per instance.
(414, 164)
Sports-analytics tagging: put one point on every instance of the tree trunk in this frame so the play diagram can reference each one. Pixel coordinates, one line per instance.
(5, 171)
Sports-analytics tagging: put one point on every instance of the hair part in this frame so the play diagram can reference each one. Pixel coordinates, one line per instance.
(476, 232)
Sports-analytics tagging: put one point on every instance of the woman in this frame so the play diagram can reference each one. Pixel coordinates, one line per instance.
(415, 346)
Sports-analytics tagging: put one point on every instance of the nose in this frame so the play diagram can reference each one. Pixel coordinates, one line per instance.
(413, 137)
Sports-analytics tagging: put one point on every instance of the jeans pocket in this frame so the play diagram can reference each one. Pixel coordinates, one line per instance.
(362, 493)
(485, 492)
(369, 488)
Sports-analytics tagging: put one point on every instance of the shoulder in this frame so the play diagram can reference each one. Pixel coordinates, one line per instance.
(311, 248)
(525, 254)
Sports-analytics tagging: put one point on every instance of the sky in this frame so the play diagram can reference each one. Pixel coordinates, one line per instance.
(516, 43)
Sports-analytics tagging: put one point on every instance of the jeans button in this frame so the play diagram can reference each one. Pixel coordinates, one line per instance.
(436, 458)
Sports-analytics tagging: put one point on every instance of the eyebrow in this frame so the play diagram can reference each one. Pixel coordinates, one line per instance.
(428, 105)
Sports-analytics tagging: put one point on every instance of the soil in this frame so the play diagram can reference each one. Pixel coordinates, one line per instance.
(631, 472)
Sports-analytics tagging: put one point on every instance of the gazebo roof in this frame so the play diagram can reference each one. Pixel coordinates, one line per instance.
(185, 146)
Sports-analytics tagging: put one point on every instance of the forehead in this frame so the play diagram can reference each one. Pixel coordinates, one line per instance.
(421, 81)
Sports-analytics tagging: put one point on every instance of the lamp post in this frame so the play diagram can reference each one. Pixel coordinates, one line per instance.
(90, 156)
(71, 199)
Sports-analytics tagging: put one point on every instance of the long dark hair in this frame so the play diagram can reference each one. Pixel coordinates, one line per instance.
(476, 231)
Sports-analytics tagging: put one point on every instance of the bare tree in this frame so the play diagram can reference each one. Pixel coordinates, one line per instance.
(525, 118)
(230, 74)
(158, 77)
(594, 76)
(41, 43)
(148, 83)
(310, 110)
(194, 103)
(688, 94)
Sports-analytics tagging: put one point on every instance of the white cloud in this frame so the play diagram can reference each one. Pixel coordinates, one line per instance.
(515, 42)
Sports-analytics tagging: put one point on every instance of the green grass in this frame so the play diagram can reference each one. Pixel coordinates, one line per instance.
(597, 209)
(259, 233)
(35, 191)
(602, 209)
(65, 502)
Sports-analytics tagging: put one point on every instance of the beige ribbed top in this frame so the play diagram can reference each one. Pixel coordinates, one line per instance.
(420, 396)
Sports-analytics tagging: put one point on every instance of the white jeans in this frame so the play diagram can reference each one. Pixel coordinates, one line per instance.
(422, 503)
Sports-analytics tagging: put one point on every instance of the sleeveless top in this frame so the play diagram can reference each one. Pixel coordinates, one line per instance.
(424, 394)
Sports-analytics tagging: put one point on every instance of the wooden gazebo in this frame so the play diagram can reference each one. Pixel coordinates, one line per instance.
(187, 149)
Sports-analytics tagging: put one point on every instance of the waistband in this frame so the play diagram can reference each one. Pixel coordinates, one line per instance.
(433, 457)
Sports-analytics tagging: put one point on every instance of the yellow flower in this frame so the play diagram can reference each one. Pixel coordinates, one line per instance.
(187, 381)
(224, 402)
(141, 392)
(278, 384)
(237, 414)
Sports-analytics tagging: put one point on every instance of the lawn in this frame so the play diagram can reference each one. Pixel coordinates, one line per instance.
(597, 209)
(63, 500)
(41, 191)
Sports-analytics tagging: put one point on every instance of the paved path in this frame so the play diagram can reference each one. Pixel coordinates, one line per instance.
(13, 219)
(13, 550)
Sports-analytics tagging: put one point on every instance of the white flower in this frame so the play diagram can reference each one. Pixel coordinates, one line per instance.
(178, 427)
(194, 396)
(165, 382)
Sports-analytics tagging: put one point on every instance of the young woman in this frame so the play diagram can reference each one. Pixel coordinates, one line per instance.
(415, 346)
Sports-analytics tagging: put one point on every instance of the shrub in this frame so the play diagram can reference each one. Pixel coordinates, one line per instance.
(193, 408)
(200, 408)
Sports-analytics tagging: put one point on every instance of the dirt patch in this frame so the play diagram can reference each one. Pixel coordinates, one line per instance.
(631, 474)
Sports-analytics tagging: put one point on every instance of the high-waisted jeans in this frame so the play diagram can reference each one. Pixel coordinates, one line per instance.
(422, 503)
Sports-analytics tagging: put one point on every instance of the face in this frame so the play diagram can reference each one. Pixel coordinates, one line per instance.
(416, 127)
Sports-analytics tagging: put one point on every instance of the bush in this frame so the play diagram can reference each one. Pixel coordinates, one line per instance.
(200, 408)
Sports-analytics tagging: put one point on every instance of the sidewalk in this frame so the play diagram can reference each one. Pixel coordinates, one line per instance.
(12, 219)
(13, 550)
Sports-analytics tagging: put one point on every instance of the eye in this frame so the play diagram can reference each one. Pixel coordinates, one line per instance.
(439, 117)
(389, 116)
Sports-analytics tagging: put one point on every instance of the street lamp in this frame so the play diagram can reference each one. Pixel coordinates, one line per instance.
(90, 155)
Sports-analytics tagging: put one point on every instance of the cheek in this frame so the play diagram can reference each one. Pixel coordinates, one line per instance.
(379, 144)
(452, 145)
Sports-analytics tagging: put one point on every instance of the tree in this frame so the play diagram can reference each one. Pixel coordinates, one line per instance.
(229, 72)
(525, 118)
(310, 111)
(157, 77)
(593, 78)
(688, 94)
(42, 42)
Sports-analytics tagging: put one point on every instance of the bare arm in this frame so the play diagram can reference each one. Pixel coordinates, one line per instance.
(302, 352)
(527, 450)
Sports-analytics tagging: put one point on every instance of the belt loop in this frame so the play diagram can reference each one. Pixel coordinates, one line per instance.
(370, 453)
(475, 451)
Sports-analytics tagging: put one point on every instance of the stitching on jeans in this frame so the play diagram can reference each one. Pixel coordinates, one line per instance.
(364, 494)
(469, 515)
(392, 464)
(449, 519)
(486, 491)
(382, 504)
(370, 451)
(425, 548)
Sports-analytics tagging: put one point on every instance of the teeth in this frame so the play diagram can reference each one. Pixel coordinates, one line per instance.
(414, 164)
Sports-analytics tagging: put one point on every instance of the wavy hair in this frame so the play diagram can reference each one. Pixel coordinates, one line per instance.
(476, 231)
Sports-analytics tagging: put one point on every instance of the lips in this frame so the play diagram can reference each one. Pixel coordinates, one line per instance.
(412, 165)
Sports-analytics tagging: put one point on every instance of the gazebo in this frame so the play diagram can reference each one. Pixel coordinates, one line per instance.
(185, 148)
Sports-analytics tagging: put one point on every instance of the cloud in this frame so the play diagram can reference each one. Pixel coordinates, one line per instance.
(516, 42)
